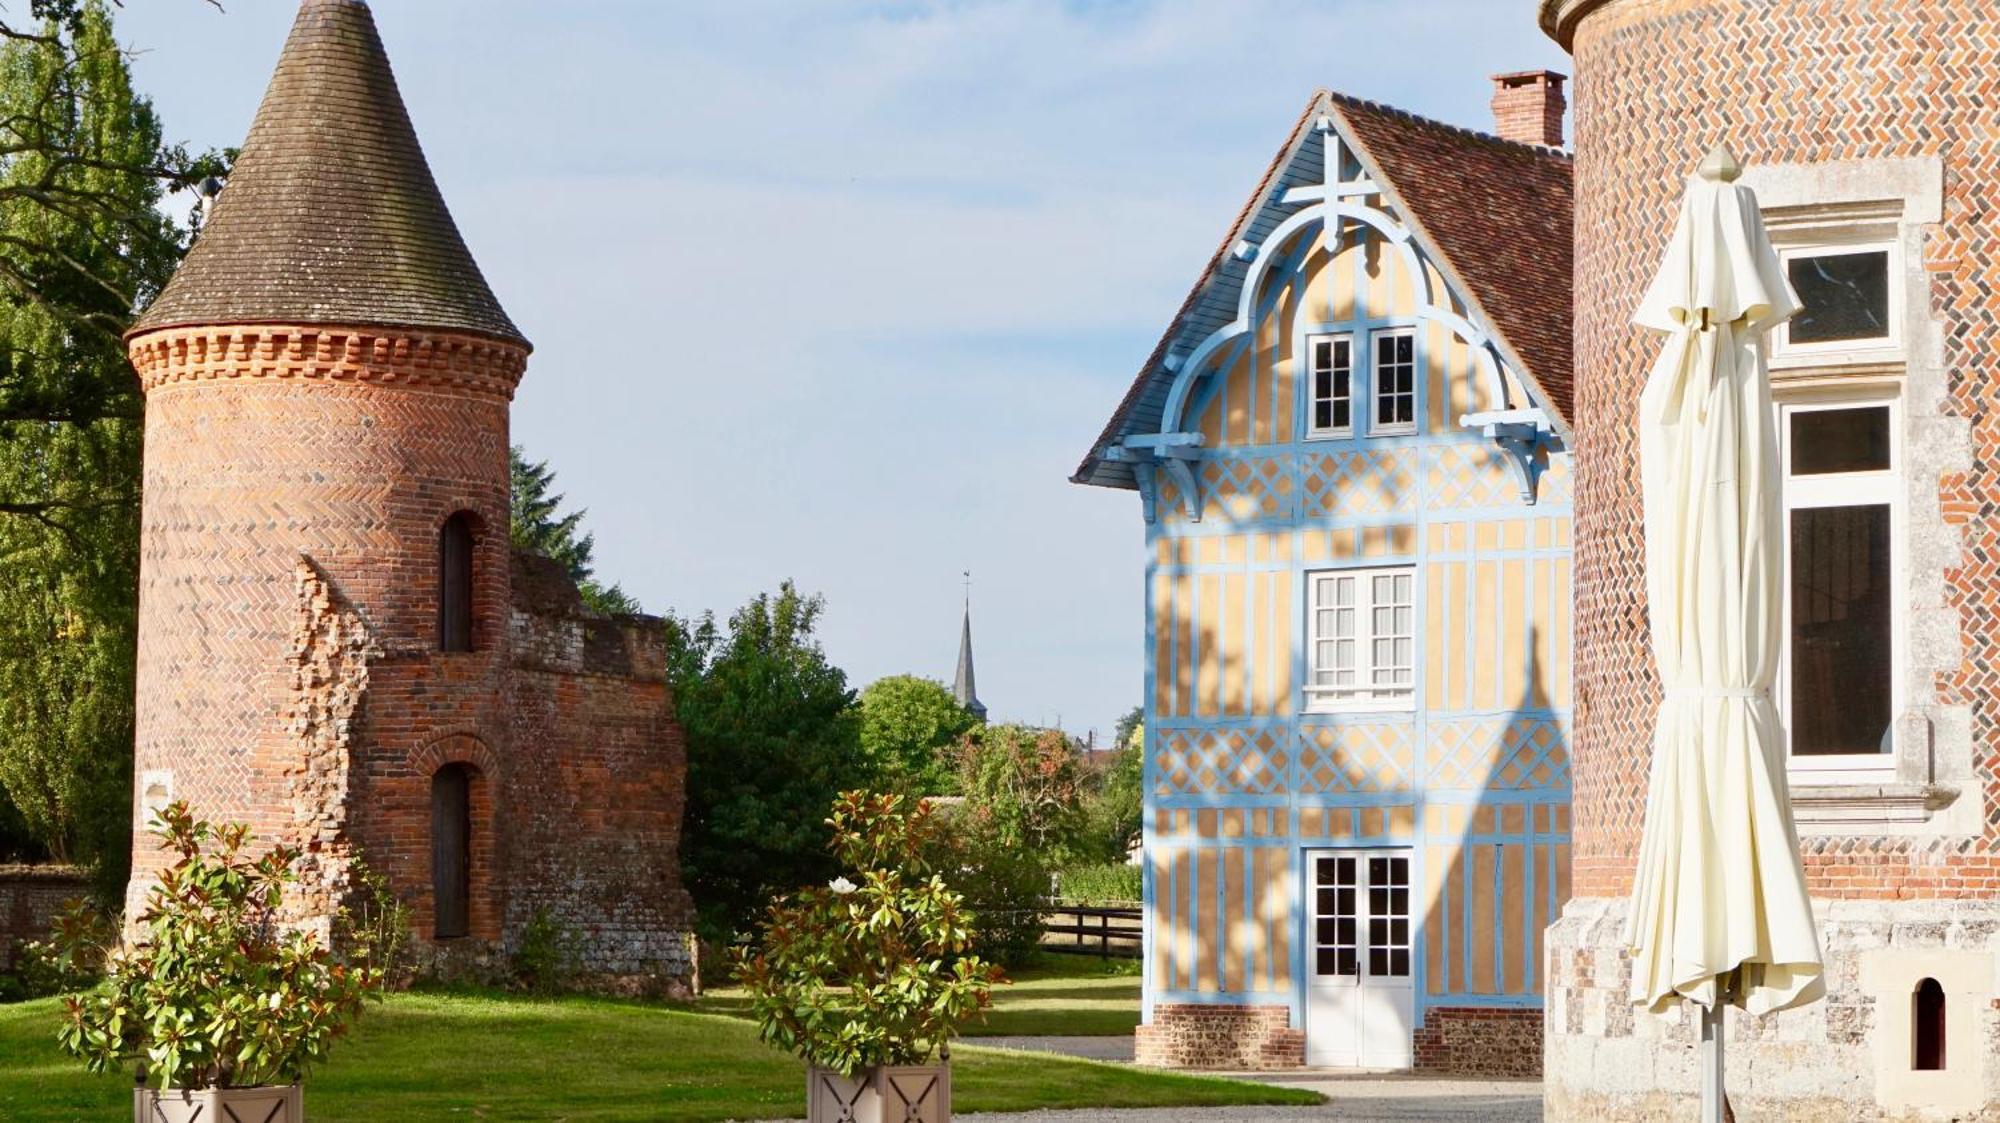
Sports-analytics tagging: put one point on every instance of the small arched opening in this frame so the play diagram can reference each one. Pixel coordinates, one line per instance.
(1927, 1027)
(451, 851)
(455, 541)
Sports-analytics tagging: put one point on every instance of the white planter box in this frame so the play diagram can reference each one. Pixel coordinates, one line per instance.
(898, 1094)
(270, 1104)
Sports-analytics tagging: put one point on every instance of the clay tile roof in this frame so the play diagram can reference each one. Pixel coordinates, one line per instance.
(331, 215)
(1499, 213)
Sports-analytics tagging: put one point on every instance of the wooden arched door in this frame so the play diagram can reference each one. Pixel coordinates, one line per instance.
(451, 850)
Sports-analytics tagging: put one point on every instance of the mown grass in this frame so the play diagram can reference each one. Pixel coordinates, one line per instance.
(1059, 995)
(423, 1057)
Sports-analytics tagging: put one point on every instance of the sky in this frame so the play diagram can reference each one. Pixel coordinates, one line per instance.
(842, 292)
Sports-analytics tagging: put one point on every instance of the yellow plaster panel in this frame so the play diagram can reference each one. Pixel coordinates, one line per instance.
(1205, 920)
(1163, 644)
(1340, 274)
(1232, 823)
(1513, 623)
(1183, 640)
(1541, 632)
(1278, 897)
(1204, 822)
(1263, 630)
(1438, 612)
(1561, 631)
(1438, 862)
(1402, 821)
(1371, 822)
(1210, 423)
(1240, 934)
(1514, 819)
(1479, 927)
(1513, 919)
(1485, 683)
(1233, 703)
(1165, 930)
(1208, 674)
(1236, 402)
(1312, 822)
(1281, 643)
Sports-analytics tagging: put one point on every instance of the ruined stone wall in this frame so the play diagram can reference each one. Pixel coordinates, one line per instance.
(30, 898)
(596, 785)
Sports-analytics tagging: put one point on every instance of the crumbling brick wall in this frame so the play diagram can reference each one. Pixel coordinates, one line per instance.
(30, 898)
(598, 765)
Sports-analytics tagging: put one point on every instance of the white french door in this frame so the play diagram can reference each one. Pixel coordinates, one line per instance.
(1360, 1005)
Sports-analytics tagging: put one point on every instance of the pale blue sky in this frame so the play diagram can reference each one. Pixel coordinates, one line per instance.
(841, 292)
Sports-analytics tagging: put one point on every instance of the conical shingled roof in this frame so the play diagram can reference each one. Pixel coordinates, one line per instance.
(331, 215)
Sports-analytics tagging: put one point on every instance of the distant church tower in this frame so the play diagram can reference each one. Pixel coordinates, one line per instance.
(963, 689)
(337, 644)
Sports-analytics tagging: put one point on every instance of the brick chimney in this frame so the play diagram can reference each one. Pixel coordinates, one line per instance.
(1528, 107)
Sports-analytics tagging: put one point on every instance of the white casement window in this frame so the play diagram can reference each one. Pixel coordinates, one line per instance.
(1838, 670)
(1332, 368)
(1362, 639)
(1394, 382)
(1850, 294)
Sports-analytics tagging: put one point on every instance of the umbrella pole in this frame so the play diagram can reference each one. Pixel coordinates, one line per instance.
(1712, 1095)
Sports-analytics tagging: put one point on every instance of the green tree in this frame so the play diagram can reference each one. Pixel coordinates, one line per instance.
(773, 735)
(1027, 785)
(539, 525)
(908, 726)
(82, 242)
(1115, 801)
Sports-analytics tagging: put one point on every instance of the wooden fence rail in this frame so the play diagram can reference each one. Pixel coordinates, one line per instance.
(1115, 930)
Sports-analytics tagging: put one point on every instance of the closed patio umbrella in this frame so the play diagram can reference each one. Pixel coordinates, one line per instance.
(1719, 908)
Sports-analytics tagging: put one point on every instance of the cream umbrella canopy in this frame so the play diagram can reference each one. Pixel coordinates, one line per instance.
(1719, 909)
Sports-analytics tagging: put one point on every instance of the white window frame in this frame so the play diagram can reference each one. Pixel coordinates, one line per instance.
(1313, 431)
(1781, 339)
(1390, 428)
(1365, 695)
(1845, 489)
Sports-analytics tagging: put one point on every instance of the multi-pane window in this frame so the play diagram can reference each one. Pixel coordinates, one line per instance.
(1846, 295)
(1837, 675)
(1332, 385)
(1395, 382)
(1363, 639)
(1361, 916)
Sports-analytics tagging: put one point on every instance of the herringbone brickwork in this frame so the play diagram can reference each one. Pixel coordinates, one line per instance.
(1791, 81)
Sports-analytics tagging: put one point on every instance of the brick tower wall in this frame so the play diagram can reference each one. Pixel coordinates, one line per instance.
(1807, 83)
(295, 483)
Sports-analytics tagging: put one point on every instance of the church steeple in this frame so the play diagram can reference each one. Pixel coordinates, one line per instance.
(963, 689)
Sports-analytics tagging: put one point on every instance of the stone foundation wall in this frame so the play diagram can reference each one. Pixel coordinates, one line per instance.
(1845, 1059)
(1188, 1035)
(30, 898)
(1480, 1041)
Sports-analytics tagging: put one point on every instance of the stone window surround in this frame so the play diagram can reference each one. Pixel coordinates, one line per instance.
(1892, 201)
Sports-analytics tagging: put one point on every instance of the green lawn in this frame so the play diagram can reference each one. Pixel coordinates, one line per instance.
(1061, 995)
(426, 1057)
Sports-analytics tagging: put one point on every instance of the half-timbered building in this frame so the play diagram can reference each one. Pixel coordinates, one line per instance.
(1350, 451)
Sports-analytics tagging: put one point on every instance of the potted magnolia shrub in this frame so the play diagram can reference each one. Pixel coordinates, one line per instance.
(215, 1005)
(867, 978)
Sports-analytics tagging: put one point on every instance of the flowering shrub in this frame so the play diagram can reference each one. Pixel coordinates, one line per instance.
(215, 992)
(871, 969)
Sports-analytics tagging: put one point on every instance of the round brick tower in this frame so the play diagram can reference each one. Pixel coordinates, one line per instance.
(327, 384)
(1867, 125)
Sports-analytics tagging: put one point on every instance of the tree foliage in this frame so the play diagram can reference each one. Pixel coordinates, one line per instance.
(539, 525)
(772, 737)
(81, 244)
(1026, 785)
(908, 727)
